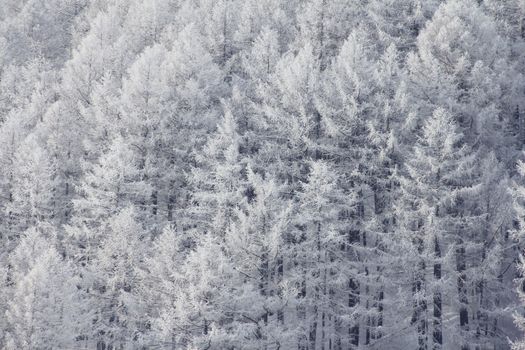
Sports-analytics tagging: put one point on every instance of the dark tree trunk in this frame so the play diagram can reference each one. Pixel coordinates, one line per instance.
(437, 335)
(462, 289)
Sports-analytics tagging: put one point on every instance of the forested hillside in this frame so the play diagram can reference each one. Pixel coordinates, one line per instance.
(262, 174)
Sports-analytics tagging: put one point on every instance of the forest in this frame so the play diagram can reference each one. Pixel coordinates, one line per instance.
(262, 174)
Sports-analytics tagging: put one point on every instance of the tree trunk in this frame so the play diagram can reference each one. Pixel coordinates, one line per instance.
(437, 336)
(353, 295)
(462, 290)
(419, 315)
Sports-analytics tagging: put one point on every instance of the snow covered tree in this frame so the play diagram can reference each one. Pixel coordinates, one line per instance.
(462, 72)
(171, 100)
(510, 14)
(359, 112)
(399, 22)
(118, 316)
(143, 101)
(257, 17)
(219, 179)
(107, 188)
(325, 24)
(519, 205)
(456, 78)
(41, 28)
(33, 187)
(163, 285)
(519, 319)
(255, 241)
(240, 297)
(439, 237)
(294, 123)
(318, 269)
(45, 301)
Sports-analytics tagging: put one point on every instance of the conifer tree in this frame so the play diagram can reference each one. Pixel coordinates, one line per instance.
(45, 301)
(439, 222)
(318, 268)
(220, 184)
(118, 316)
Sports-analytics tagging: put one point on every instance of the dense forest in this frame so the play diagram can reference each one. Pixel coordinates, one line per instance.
(262, 174)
